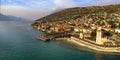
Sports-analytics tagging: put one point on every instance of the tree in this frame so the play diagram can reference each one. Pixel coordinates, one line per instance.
(117, 43)
(93, 33)
(108, 44)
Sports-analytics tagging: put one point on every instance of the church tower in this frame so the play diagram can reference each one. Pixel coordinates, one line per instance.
(81, 35)
(99, 36)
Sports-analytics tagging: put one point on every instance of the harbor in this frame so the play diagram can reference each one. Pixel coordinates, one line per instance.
(80, 42)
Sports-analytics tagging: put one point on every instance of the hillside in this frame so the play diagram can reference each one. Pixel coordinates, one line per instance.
(74, 13)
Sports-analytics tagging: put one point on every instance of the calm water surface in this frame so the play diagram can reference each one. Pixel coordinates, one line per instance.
(18, 42)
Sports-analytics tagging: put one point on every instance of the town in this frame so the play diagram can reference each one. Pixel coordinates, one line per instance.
(95, 27)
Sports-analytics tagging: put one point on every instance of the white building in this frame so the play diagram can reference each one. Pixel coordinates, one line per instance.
(117, 30)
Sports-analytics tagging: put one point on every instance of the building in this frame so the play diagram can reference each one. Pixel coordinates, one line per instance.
(99, 36)
(81, 35)
(117, 30)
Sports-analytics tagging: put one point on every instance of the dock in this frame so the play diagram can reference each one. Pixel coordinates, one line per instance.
(52, 37)
(43, 38)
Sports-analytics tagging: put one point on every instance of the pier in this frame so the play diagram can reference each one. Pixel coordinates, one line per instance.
(52, 37)
(43, 38)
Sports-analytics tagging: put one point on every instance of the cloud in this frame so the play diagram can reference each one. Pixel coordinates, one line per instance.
(32, 9)
(64, 4)
(30, 3)
(35, 9)
(105, 2)
(25, 12)
(82, 3)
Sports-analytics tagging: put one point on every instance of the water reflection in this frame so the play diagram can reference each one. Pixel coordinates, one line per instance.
(107, 56)
(18, 42)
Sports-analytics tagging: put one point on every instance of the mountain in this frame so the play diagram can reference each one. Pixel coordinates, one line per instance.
(11, 18)
(94, 12)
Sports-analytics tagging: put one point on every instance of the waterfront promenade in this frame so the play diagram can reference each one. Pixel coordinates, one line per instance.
(81, 42)
(91, 45)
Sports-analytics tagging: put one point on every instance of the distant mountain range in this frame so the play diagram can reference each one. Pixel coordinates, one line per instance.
(11, 18)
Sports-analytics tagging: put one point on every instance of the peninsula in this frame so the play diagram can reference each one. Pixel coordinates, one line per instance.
(96, 27)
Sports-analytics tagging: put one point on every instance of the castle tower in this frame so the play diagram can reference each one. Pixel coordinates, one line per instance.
(99, 36)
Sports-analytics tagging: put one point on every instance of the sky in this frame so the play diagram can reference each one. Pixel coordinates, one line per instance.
(35, 9)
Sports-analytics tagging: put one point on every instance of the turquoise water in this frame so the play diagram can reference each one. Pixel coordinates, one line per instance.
(18, 42)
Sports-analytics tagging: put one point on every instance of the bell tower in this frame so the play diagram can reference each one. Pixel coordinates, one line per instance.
(99, 36)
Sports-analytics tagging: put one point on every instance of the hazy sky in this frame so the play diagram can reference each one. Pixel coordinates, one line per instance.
(35, 9)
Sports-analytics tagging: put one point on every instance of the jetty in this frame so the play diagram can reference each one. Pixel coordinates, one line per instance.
(52, 37)
(43, 38)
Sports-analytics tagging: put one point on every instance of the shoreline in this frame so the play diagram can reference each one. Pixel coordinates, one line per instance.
(78, 42)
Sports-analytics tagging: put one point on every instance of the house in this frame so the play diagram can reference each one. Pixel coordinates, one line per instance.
(117, 30)
(76, 29)
(55, 29)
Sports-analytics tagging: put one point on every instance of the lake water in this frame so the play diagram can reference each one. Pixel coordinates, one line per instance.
(18, 42)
